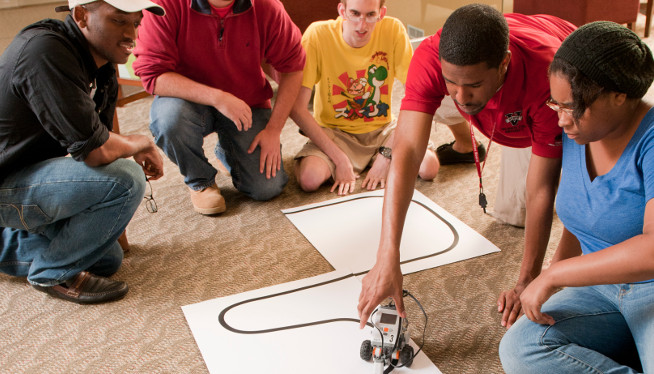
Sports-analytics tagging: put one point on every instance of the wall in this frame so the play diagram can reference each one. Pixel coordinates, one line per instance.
(430, 15)
(303, 15)
(22, 3)
(16, 14)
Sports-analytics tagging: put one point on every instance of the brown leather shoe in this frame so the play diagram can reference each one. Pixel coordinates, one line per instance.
(208, 201)
(87, 288)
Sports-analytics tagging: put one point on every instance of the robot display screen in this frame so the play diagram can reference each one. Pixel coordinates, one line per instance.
(388, 318)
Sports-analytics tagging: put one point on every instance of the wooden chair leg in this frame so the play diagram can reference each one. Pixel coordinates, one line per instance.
(123, 242)
(648, 16)
(116, 127)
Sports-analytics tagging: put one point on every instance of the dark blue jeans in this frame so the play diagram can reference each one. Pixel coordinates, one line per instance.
(179, 128)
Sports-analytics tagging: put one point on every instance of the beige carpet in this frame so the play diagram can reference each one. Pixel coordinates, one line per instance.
(179, 257)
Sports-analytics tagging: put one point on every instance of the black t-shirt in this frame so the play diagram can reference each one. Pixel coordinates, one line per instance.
(47, 76)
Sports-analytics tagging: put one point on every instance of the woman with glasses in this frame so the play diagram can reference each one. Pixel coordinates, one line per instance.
(603, 319)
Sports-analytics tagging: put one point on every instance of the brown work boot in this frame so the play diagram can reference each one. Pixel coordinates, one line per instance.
(208, 201)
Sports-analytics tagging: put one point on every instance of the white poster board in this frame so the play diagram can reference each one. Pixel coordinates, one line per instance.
(306, 326)
(346, 232)
(311, 325)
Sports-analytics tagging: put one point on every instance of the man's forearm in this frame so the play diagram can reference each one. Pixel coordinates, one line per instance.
(542, 179)
(397, 197)
(538, 227)
(301, 115)
(119, 146)
(176, 85)
(410, 143)
(289, 87)
(314, 131)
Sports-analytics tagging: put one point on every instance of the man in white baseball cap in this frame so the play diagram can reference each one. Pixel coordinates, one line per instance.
(128, 6)
(58, 93)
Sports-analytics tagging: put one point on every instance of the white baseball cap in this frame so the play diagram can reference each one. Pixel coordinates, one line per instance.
(128, 6)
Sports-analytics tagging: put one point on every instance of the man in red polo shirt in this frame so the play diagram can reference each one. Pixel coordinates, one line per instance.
(496, 73)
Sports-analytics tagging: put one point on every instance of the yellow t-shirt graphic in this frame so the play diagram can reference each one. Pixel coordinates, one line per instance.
(363, 95)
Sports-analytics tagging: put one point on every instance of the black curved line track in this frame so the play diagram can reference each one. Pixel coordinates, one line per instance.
(221, 316)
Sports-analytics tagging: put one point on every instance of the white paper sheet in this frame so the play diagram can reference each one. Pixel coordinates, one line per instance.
(346, 232)
(316, 348)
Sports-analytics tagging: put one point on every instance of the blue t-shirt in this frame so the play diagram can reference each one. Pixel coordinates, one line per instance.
(611, 208)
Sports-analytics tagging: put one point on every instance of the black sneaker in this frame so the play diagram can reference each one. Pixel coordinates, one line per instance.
(86, 288)
(448, 156)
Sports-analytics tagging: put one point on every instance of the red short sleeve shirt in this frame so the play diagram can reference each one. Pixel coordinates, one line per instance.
(517, 111)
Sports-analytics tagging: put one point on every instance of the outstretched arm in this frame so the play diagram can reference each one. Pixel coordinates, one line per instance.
(385, 278)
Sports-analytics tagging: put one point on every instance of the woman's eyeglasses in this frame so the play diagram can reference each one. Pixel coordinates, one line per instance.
(559, 108)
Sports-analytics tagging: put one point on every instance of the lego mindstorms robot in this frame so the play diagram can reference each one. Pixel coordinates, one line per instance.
(388, 346)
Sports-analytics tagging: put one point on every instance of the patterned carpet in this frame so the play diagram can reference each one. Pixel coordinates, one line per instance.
(179, 257)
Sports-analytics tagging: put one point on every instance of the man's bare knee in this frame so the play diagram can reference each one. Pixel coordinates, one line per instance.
(309, 183)
(429, 166)
(311, 173)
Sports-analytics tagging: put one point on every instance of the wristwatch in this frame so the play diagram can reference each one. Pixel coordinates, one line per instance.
(386, 152)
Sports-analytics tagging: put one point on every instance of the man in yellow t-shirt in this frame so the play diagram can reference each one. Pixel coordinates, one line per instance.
(352, 61)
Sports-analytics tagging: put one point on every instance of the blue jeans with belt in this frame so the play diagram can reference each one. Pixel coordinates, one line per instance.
(60, 217)
(179, 128)
(598, 329)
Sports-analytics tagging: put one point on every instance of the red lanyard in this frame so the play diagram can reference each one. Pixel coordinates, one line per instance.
(480, 168)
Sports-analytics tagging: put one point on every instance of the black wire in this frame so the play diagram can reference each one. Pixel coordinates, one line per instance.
(424, 327)
(393, 362)
(381, 335)
(392, 303)
(406, 293)
(391, 366)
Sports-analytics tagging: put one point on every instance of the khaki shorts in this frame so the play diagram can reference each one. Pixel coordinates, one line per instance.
(447, 113)
(361, 149)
